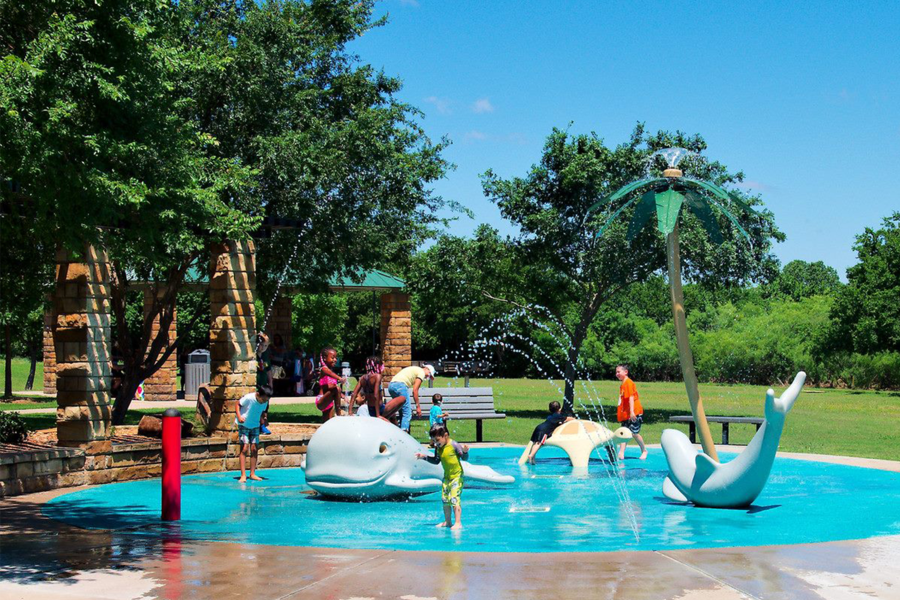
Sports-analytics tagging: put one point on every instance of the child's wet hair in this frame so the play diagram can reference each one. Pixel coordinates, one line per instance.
(437, 398)
(374, 364)
(325, 351)
(264, 390)
(437, 430)
(555, 407)
(624, 367)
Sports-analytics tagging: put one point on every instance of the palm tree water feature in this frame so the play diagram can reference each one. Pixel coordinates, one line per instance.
(689, 472)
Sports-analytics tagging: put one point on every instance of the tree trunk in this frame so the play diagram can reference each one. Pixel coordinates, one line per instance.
(684, 347)
(123, 399)
(572, 358)
(7, 385)
(32, 370)
(569, 402)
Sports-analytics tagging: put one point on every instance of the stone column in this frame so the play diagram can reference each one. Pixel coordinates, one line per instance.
(396, 332)
(280, 320)
(162, 385)
(49, 354)
(81, 336)
(232, 334)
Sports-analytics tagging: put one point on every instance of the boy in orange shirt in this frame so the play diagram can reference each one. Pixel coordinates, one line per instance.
(630, 413)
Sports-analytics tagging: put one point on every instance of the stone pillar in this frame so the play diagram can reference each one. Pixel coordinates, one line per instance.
(162, 385)
(280, 320)
(232, 334)
(49, 354)
(396, 332)
(81, 336)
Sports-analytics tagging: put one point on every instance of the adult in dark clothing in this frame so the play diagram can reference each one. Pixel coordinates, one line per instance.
(545, 429)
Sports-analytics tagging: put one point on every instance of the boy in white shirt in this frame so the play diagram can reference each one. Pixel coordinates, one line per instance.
(248, 411)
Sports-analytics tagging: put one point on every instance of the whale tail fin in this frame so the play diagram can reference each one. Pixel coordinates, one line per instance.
(785, 402)
(484, 473)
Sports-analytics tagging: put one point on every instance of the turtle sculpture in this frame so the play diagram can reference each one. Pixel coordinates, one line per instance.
(579, 438)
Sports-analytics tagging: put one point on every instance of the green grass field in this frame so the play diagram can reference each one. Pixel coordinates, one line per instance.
(823, 421)
(20, 368)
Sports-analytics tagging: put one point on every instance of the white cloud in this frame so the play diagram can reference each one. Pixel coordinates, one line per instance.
(414, 3)
(482, 105)
(475, 135)
(441, 104)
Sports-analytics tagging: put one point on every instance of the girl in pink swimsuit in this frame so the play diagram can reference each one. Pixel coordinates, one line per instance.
(329, 398)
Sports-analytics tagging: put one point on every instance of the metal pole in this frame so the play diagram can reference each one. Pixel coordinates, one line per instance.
(374, 323)
(171, 465)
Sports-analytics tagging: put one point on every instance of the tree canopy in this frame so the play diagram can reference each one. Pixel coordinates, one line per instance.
(567, 264)
(865, 316)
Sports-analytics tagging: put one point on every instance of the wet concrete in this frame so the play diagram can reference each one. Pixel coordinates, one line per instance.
(43, 559)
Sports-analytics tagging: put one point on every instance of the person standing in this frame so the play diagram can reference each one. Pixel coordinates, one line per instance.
(248, 411)
(630, 413)
(404, 388)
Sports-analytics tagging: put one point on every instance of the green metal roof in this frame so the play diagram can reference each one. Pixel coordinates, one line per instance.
(373, 280)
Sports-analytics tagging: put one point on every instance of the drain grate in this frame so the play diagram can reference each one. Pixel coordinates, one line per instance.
(529, 509)
(546, 476)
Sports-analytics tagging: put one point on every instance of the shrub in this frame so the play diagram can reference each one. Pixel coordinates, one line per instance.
(12, 428)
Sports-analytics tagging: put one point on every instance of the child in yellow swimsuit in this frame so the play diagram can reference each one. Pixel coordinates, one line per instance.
(449, 453)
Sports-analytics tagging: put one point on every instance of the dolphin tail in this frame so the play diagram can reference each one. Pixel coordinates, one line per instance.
(483, 473)
(671, 491)
(402, 482)
(785, 403)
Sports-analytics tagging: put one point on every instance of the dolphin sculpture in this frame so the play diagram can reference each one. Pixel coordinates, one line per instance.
(705, 482)
(578, 439)
(365, 458)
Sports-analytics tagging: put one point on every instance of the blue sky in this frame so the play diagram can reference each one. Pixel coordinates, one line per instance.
(803, 97)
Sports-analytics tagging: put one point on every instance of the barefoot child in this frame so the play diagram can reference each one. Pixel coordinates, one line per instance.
(329, 398)
(449, 454)
(630, 413)
(369, 388)
(545, 429)
(248, 411)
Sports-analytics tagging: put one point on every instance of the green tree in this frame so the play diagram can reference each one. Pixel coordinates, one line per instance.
(567, 264)
(99, 135)
(800, 279)
(153, 128)
(865, 316)
(331, 146)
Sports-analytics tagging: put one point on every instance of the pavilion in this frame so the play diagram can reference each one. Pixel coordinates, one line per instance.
(77, 335)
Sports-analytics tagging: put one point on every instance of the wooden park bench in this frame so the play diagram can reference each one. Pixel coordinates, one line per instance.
(725, 421)
(462, 403)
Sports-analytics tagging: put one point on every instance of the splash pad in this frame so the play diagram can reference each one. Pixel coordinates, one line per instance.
(550, 508)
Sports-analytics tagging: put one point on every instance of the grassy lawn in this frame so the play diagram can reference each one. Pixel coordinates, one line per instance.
(823, 421)
(20, 368)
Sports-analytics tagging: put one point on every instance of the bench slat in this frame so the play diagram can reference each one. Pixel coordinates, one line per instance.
(718, 419)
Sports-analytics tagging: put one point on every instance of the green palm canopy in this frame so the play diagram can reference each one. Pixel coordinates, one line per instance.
(666, 197)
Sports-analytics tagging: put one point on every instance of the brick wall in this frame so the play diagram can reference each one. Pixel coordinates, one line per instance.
(396, 332)
(81, 334)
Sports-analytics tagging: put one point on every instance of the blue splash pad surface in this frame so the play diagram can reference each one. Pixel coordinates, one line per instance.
(550, 508)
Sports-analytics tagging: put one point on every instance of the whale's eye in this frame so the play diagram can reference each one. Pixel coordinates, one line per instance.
(382, 448)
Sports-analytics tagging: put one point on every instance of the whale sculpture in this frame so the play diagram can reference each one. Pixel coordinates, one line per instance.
(365, 458)
(705, 482)
(579, 438)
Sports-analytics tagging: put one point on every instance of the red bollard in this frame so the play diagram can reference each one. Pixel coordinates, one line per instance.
(171, 465)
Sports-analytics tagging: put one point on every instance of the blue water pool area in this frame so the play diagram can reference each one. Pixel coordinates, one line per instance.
(550, 508)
